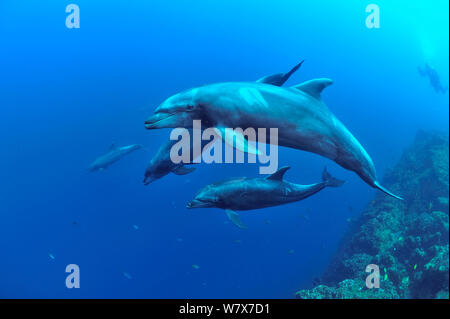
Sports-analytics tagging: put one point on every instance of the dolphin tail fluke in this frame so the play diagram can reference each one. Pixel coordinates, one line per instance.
(384, 190)
(330, 180)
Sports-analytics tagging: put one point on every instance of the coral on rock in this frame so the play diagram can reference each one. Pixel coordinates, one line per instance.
(407, 239)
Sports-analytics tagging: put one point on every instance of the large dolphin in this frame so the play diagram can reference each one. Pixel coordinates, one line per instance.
(161, 164)
(303, 120)
(113, 154)
(240, 194)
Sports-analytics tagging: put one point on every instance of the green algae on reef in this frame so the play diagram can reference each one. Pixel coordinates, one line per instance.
(407, 239)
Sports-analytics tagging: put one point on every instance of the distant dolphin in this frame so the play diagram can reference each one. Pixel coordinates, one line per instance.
(113, 155)
(161, 164)
(304, 122)
(253, 193)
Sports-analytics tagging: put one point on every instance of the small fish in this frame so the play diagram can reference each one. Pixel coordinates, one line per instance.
(415, 266)
(195, 266)
(291, 251)
(267, 222)
(127, 275)
(51, 256)
(237, 241)
(179, 239)
(304, 217)
(136, 227)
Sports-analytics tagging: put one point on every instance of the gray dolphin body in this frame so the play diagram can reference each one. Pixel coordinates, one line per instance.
(304, 122)
(252, 193)
(113, 155)
(161, 164)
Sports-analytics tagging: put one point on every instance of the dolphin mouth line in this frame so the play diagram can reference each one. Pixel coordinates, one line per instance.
(150, 123)
(198, 203)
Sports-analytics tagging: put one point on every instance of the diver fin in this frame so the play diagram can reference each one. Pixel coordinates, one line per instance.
(278, 175)
(314, 87)
(330, 180)
(280, 78)
(384, 190)
(234, 217)
(241, 143)
(183, 170)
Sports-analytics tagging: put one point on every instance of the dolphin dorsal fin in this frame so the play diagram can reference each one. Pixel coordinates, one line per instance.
(314, 87)
(112, 146)
(280, 78)
(278, 175)
(275, 79)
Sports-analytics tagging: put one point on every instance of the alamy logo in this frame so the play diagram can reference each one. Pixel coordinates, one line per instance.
(373, 19)
(73, 19)
(373, 280)
(193, 149)
(73, 279)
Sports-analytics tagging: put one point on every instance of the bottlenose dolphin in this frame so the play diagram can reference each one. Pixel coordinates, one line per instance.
(433, 76)
(113, 155)
(253, 193)
(161, 164)
(303, 120)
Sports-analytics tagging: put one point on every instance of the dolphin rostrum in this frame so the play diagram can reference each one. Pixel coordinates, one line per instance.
(113, 155)
(303, 120)
(239, 194)
(161, 164)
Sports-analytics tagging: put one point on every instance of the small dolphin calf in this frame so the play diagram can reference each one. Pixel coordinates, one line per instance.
(253, 193)
(303, 120)
(113, 155)
(161, 164)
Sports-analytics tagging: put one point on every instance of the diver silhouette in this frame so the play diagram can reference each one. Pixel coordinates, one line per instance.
(433, 76)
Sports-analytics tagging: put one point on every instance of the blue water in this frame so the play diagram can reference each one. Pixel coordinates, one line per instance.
(67, 94)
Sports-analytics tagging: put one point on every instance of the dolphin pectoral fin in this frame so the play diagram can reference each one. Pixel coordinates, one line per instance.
(384, 190)
(112, 147)
(280, 78)
(183, 170)
(314, 87)
(234, 217)
(241, 143)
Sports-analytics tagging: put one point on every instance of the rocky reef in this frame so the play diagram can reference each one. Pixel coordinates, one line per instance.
(407, 240)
